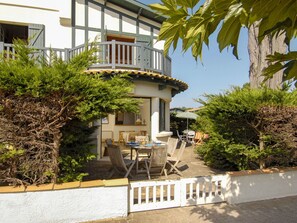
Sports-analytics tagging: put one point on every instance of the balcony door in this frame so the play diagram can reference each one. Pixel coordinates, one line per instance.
(10, 32)
(123, 52)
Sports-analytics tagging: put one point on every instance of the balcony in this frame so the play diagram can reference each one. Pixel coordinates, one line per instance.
(112, 55)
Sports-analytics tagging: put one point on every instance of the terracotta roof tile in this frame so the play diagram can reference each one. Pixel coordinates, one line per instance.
(180, 84)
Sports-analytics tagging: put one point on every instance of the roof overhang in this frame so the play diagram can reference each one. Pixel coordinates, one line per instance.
(139, 8)
(176, 85)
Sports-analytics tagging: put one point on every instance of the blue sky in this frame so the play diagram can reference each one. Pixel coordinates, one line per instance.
(217, 72)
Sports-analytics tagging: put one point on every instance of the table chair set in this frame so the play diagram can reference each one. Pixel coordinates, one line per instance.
(154, 158)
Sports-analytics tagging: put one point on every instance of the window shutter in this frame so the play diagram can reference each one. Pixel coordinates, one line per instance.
(144, 39)
(36, 35)
(147, 54)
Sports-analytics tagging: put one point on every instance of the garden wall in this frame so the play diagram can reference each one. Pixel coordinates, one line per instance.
(68, 202)
(255, 185)
(101, 199)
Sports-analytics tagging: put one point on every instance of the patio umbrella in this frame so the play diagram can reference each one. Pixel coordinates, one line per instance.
(187, 115)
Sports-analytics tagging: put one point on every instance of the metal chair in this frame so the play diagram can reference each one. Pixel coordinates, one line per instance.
(190, 136)
(181, 138)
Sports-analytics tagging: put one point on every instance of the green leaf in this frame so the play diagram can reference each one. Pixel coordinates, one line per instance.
(229, 33)
(187, 3)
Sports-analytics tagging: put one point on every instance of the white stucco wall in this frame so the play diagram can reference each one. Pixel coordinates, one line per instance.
(129, 25)
(43, 12)
(70, 205)
(150, 89)
(112, 20)
(255, 187)
(80, 12)
(144, 29)
(155, 118)
(94, 16)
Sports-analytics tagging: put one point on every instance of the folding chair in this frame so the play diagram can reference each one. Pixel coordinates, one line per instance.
(157, 161)
(181, 138)
(174, 160)
(119, 164)
(171, 146)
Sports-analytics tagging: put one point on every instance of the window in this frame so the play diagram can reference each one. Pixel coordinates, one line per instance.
(162, 115)
(125, 118)
(141, 118)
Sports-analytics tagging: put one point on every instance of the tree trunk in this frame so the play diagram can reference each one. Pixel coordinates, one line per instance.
(258, 53)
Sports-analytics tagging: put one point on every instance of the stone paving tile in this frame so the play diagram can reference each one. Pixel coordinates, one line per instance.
(268, 211)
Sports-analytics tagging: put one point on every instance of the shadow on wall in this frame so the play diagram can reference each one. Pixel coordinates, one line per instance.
(247, 186)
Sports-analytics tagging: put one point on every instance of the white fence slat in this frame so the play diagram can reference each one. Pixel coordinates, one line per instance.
(168, 192)
(147, 191)
(161, 193)
(139, 195)
(183, 192)
(154, 194)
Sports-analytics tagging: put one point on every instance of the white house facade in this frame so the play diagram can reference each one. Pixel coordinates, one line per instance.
(126, 33)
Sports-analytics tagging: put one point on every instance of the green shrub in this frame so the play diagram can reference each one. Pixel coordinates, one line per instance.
(38, 98)
(239, 138)
(75, 150)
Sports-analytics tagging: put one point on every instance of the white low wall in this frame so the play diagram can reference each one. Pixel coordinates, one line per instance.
(247, 186)
(95, 200)
(65, 205)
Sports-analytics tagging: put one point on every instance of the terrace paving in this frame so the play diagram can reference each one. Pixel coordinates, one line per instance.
(190, 166)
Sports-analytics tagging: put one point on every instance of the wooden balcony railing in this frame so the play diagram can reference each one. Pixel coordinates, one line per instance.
(110, 55)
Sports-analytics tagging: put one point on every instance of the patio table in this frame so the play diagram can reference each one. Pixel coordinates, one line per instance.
(146, 148)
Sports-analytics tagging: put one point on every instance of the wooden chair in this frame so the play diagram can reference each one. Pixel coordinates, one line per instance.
(157, 161)
(141, 139)
(200, 137)
(107, 142)
(171, 144)
(119, 164)
(174, 160)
